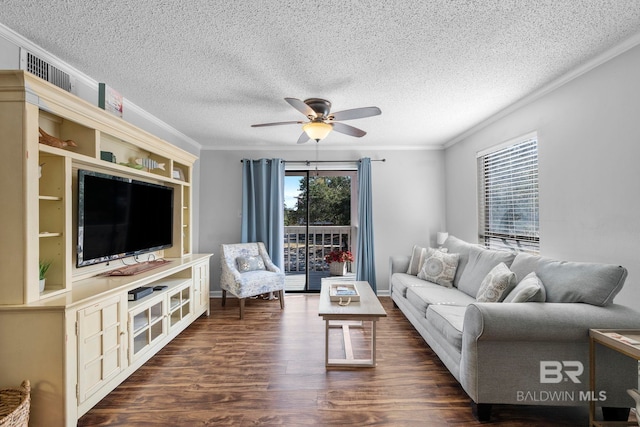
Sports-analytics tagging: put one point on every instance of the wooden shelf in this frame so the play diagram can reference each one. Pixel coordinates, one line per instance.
(48, 234)
(76, 332)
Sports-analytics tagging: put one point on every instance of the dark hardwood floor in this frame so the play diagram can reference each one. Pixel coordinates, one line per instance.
(268, 369)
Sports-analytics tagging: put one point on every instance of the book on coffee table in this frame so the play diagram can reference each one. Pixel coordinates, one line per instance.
(343, 291)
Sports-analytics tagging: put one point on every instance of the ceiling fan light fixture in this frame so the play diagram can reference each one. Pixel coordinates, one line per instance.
(317, 130)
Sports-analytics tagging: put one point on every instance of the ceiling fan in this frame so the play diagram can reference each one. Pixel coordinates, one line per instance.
(321, 121)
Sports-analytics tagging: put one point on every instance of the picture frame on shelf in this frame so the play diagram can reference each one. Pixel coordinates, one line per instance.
(110, 99)
(178, 174)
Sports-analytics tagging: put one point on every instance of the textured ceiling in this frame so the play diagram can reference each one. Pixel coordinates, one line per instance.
(212, 68)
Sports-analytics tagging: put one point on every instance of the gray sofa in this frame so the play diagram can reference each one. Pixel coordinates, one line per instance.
(531, 353)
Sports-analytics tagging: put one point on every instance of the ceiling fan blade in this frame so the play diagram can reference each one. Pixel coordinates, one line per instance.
(301, 106)
(276, 124)
(303, 138)
(355, 113)
(348, 130)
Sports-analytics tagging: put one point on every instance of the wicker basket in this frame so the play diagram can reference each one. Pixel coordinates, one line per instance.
(14, 405)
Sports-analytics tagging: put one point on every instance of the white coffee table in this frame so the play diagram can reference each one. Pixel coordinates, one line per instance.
(367, 309)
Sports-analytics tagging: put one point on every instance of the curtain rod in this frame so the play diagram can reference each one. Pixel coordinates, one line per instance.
(307, 162)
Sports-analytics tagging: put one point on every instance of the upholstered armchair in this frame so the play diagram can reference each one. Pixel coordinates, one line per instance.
(247, 271)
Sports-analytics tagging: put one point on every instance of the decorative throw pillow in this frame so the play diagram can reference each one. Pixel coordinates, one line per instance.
(417, 259)
(249, 263)
(439, 267)
(530, 289)
(497, 284)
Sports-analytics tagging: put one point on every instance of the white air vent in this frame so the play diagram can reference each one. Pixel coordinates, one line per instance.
(45, 71)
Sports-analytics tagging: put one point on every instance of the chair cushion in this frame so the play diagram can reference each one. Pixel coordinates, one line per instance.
(439, 267)
(530, 289)
(258, 282)
(497, 284)
(249, 263)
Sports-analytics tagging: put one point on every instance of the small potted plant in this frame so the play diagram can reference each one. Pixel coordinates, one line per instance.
(337, 261)
(44, 267)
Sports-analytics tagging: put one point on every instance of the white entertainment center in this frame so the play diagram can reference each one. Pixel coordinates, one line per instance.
(82, 336)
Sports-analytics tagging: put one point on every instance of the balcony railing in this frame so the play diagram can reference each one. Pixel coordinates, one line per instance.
(320, 239)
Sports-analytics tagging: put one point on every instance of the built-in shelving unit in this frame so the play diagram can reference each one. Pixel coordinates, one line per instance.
(81, 334)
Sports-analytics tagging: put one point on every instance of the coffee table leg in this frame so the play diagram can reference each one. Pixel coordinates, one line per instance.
(326, 343)
(373, 342)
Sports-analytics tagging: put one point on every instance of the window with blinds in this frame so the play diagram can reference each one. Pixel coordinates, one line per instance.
(508, 196)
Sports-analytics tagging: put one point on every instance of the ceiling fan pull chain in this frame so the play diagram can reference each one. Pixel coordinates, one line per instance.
(317, 150)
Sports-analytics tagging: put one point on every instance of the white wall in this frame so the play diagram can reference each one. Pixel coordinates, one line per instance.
(589, 169)
(408, 200)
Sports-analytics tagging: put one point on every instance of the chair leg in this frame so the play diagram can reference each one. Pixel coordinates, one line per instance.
(241, 308)
(224, 297)
(281, 297)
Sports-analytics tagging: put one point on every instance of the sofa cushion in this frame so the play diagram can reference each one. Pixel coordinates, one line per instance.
(439, 267)
(530, 289)
(447, 320)
(453, 245)
(481, 262)
(420, 297)
(418, 254)
(566, 281)
(595, 284)
(497, 284)
(401, 281)
(523, 264)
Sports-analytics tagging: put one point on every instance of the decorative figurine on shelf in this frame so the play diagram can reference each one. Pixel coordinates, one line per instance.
(51, 140)
(150, 164)
(132, 165)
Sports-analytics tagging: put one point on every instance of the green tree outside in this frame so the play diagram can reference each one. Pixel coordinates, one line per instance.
(330, 202)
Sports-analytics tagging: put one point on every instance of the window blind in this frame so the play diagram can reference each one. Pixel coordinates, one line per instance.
(508, 197)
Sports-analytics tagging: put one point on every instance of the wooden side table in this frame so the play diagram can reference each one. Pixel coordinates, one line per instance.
(625, 341)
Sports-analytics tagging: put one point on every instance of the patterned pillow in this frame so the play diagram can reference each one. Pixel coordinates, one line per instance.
(530, 289)
(417, 259)
(439, 267)
(249, 263)
(497, 284)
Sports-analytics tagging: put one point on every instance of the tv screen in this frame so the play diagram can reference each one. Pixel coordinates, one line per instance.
(120, 217)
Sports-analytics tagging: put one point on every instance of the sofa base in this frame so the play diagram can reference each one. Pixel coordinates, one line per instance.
(481, 411)
(615, 414)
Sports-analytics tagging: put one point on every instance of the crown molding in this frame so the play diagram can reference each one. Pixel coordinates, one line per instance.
(311, 147)
(589, 65)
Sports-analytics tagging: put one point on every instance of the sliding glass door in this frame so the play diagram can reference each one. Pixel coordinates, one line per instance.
(319, 207)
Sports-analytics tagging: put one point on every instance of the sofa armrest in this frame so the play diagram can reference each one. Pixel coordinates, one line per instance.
(511, 339)
(399, 264)
(543, 321)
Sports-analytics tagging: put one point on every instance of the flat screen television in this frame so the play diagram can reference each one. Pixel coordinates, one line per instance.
(120, 217)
